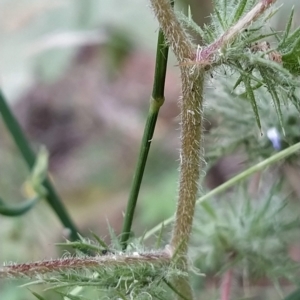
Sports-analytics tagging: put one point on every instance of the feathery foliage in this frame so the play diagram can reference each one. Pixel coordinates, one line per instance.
(249, 235)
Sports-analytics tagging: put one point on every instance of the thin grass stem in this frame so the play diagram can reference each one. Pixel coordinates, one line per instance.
(156, 102)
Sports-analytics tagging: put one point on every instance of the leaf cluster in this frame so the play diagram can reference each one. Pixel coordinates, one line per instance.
(249, 235)
(259, 56)
(234, 121)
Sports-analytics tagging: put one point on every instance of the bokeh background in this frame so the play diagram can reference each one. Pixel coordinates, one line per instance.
(78, 75)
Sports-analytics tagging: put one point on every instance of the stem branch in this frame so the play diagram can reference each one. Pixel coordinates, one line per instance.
(226, 38)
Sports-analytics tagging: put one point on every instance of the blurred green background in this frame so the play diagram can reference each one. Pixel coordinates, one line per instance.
(78, 74)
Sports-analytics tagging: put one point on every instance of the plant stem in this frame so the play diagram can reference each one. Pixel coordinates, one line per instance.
(29, 157)
(173, 31)
(17, 210)
(34, 269)
(190, 157)
(156, 102)
(192, 80)
(233, 181)
(191, 105)
(190, 161)
(226, 285)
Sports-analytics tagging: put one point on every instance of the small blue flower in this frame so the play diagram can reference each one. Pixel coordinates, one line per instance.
(274, 136)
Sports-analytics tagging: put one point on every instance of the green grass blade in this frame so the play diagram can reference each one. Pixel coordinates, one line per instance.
(219, 19)
(157, 101)
(251, 97)
(272, 90)
(288, 26)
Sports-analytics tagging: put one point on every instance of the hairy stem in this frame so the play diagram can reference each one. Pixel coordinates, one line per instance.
(174, 32)
(157, 101)
(191, 104)
(70, 263)
(191, 119)
(190, 158)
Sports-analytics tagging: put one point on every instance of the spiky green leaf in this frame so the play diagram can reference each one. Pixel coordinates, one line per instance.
(239, 11)
(288, 26)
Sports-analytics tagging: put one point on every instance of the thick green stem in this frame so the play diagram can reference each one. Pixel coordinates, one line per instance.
(156, 102)
(29, 157)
